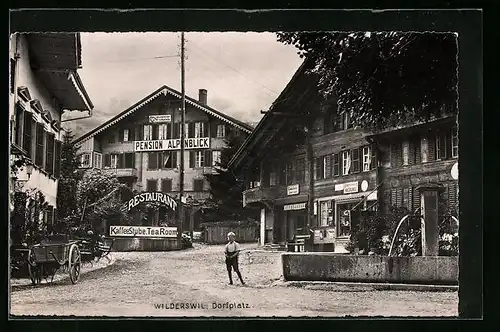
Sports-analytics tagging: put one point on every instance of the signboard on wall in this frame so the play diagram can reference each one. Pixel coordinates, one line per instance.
(143, 231)
(351, 187)
(160, 118)
(292, 190)
(294, 207)
(171, 144)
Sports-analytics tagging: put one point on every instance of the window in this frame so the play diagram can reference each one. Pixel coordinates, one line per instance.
(199, 129)
(326, 213)
(406, 152)
(57, 159)
(221, 130)
(148, 132)
(344, 218)
(198, 184)
(454, 142)
(85, 160)
(355, 160)
(19, 118)
(396, 155)
(163, 131)
(166, 185)
(169, 159)
(300, 170)
(330, 121)
(114, 161)
(198, 159)
(129, 160)
(12, 75)
(29, 124)
(346, 162)
(366, 159)
(97, 160)
(126, 133)
(49, 156)
(216, 158)
(336, 164)
(151, 185)
(344, 120)
(40, 144)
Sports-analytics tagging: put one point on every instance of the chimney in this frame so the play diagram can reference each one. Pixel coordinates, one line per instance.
(202, 96)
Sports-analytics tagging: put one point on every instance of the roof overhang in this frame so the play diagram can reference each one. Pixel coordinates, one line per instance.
(55, 59)
(164, 91)
(270, 124)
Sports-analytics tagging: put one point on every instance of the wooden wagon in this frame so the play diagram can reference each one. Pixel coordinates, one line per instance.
(46, 258)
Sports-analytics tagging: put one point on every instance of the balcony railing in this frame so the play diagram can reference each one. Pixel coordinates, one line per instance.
(260, 194)
(121, 172)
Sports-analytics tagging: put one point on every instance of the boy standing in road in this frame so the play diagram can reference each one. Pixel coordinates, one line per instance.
(232, 251)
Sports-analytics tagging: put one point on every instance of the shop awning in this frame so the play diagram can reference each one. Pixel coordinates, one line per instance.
(372, 196)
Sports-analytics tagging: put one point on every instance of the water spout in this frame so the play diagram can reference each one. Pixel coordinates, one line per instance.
(396, 233)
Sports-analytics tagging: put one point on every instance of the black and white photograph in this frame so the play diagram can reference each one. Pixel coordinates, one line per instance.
(234, 174)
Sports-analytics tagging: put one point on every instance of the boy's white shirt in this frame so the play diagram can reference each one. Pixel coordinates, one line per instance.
(232, 247)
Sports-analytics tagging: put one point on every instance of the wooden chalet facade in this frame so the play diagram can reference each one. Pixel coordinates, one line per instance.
(307, 168)
(141, 147)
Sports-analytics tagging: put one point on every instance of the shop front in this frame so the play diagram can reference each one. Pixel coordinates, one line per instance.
(334, 213)
(290, 218)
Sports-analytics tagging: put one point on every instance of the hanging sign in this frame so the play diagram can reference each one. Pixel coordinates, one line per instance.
(292, 190)
(158, 197)
(171, 144)
(160, 118)
(142, 231)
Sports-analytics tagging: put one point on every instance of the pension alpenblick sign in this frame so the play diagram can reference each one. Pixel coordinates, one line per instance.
(171, 144)
(158, 197)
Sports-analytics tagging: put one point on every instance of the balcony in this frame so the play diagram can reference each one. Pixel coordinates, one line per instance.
(121, 172)
(260, 194)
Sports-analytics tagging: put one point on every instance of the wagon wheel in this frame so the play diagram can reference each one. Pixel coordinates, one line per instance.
(74, 263)
(34, 270)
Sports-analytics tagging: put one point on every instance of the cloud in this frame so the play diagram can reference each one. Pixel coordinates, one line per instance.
(242, 72)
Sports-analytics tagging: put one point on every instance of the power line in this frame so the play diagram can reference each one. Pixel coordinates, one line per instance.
(140, 59)
(234, 69)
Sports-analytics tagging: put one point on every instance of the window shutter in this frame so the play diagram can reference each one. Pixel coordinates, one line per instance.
(131, 134)
(447, 142)
(40, 135)
(336, 164)
(166, 185)
(191, 159)
(107, 160)
(155, 128)
(169, 131)
(207, 161)
(399, 197)
(120, 133)
(393, 156)
(317, 168)
(28, 133)
(416, 198)
(49, 154)
(355, 160)
(205, 129)
(57, 159)
(213, 129)
(139, 133)
(431, 148)
(328, 166)
(152, 160)
(121, 160)
(411, 152)
(418, 150)
(19, 125)
(394, 197)
(176, 130)
(174, 159)
(373, 161)
(190, 129)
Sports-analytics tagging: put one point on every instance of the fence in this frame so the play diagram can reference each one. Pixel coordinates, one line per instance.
(216, 233)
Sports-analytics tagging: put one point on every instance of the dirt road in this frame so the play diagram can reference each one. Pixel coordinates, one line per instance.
(194, 283)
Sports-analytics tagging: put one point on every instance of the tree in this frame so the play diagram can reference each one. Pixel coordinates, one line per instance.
(68, 180)
(383, 78)
(225, 202)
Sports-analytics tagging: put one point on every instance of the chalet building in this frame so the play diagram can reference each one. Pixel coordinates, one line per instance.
(141, 147)
(309, 169)
(44, 83)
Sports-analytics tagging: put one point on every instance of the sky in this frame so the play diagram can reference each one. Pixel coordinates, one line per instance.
(242, 72)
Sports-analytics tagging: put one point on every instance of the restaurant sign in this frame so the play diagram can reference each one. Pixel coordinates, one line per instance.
(160, 118)
(351, 187)
(171, 144)
(142, 231)
(158, 197)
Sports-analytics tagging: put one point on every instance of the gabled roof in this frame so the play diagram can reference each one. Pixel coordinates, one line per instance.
(165, 90)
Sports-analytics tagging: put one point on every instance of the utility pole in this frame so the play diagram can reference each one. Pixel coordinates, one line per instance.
(183, 131)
